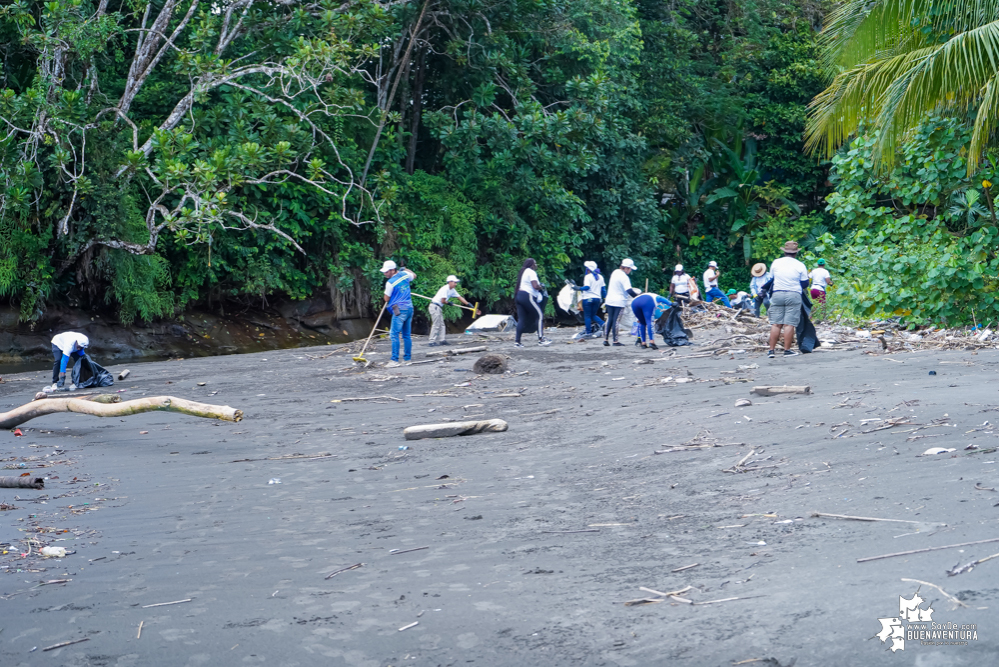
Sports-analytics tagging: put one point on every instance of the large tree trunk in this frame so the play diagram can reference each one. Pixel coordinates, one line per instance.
(417, 111)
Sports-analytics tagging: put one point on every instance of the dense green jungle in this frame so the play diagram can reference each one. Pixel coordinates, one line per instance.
(157, 156)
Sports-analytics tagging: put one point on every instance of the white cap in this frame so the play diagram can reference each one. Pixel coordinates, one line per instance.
(84, 341)
(388, 266)
(628, 264)
(592, 266)
(678, 267)
(714, 264)
(452, 279)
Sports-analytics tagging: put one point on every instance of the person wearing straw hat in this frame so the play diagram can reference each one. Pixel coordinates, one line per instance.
(399, 300)
(448, 291)
(760, 278)
(790, 279)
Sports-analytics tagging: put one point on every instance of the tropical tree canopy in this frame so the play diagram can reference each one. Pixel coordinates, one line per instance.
(894, 61)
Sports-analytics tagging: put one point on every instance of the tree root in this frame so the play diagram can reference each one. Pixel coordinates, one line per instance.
(49, 406)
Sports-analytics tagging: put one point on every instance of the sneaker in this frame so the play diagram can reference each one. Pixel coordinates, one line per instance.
(606, 344)
(770, 354)
(617, 344)
(49, 389)
(518, 345)
(393, 364)
(653, 346)
(433, 344)
(544, 342)
(790, 353)
(638, 343)
(444, 342)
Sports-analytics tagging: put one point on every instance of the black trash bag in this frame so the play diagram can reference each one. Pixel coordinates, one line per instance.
(670, 326)
(88, 373)
(808, 338)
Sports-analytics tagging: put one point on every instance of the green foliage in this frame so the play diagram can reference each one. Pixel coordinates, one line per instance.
(917, 248)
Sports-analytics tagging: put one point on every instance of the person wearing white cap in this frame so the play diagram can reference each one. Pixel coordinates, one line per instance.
(66, 346)
(711, 291)
(448, 291)
(399, 300)
(619, 291)
(679, 285)
(592, 294)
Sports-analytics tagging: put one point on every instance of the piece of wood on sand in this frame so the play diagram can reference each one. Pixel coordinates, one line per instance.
(919, 551)
(96, 398)
(22, 482)
(466, 350)
(783, 389)
(859, 518)
(61, 644)
(454, 428)
(18, 416)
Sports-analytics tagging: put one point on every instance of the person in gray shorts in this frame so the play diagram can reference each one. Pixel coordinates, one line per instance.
(790, 277)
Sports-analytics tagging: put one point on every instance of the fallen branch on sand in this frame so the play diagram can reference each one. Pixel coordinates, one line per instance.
(448, 353)
(919, 551)
(785, 389)
(22, 482)
(660, 597)
(96, 398)
(35, 409)
(860, 518)
(454, 428)
(344, 569)
(368, 398)
(942, 592)
(968, 567)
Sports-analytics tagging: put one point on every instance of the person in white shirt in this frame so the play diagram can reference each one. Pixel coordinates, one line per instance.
(591, 294)
(619, 291)
(67, 346)
(711, 290)
(448, 291)
(528, 299)
(760, 278)
(820, 280)
(679, 285)
(790, 277)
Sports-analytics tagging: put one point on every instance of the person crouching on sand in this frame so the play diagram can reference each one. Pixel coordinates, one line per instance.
(67, 346)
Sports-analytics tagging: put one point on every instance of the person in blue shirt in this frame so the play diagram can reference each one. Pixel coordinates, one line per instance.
(648, 308)
(760, 278)
(400, 302)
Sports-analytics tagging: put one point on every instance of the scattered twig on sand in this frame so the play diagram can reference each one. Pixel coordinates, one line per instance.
(942, 591)
(411, 625)
(290, 457)
(979, 487)
(890, 423)
(745, 597)
(785, 389)
(396, 552)
(738, 466)
(860, 518)
(546, 412)
(685, 567)
(164, 604)
(746, 662)
(919, 551)
(138, 635)
(968, 567)
(343, 569)
(368, 398)
(566, 532)
(61, 644)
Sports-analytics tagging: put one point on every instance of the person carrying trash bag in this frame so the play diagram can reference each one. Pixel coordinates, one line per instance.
(648, 308)
(619, 290)
(529, 299)
(448, 291)
(399, 300)
(786, 287)
(66, 346)
(591, 294)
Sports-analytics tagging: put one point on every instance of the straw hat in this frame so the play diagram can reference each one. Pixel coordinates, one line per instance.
(791, 247)
(759, 269)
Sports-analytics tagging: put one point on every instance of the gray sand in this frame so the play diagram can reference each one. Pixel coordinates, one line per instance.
(174, 517)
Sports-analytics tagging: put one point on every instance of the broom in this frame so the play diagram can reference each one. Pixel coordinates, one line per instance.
(360, 358)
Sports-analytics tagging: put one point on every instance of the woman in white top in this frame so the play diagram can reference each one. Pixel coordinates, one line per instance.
(619, 290)
(591, 294)
(528, 299)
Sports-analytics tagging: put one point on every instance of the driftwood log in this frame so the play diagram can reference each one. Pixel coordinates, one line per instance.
(50, 406)
(454, 428)
(774, 391)
(22, 482)
(457, 350)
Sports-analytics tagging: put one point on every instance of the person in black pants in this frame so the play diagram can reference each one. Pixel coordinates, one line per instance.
(528, 300)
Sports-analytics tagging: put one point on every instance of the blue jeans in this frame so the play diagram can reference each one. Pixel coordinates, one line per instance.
(715, 293)
(402, 324)
(590, 309)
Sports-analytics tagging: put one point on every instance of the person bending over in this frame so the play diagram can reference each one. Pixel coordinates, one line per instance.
(648, 308)
(67, 346)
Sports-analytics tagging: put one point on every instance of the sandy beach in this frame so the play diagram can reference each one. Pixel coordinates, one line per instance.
(513, 548)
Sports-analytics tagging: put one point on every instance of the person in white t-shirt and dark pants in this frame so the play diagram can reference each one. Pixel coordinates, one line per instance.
(711, 290)
(448, 291)
(790, 278)
(591, 294)
(619, 291)
(528, 299)
(820, 281)
(67, 347)
(679, 285)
